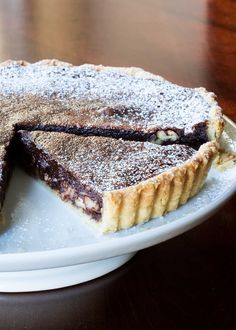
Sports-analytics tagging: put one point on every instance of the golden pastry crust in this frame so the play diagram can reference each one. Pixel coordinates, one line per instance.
(163, 193)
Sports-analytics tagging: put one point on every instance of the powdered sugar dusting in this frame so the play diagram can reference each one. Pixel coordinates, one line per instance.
(143, 101)
(106, 164)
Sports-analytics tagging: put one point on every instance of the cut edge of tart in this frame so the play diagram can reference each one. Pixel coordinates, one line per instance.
(5, 171)
(110, 210)
(3, 176)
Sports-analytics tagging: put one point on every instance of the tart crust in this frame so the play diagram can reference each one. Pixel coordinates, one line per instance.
(155, 197)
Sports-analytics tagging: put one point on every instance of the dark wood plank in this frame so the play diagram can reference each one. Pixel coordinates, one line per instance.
(188, 42)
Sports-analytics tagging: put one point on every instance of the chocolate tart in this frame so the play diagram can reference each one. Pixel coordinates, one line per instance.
(93, 100)
(116, 183)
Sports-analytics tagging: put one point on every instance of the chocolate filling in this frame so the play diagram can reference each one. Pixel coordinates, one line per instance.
(4, 182)
(39, 164)
(193, 139)
(197, 137)
(6, 170)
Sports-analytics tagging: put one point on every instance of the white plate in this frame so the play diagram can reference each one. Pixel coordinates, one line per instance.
(44, 245)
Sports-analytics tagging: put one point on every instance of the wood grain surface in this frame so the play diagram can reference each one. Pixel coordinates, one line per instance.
(188, 282)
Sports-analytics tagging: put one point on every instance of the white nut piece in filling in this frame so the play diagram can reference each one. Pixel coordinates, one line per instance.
(90, 204)
(163, 136)
(86, 203)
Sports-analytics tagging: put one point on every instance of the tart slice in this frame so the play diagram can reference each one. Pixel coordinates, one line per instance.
(116, 183)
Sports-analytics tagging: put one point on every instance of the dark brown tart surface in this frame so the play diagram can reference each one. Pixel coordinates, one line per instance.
(78, 167)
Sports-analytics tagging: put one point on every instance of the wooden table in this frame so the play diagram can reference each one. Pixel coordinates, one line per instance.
(188, 282)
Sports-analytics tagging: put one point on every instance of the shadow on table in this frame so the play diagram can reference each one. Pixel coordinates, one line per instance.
(86, 306)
